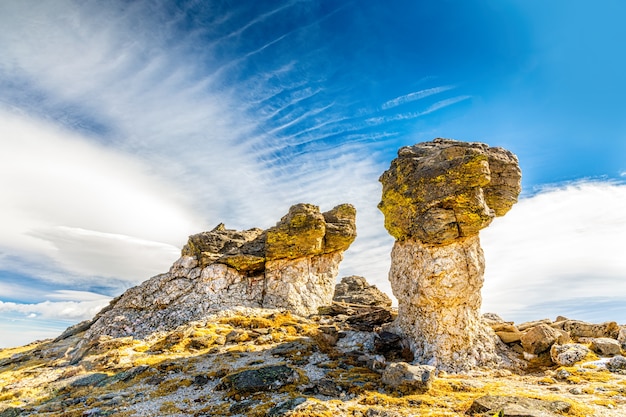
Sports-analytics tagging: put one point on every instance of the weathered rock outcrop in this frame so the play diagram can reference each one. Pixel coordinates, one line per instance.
(291, 266)
(356, 290)
(436, 197)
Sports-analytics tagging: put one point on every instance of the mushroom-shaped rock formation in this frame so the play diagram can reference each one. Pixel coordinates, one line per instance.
(292, 266)
(436, 197)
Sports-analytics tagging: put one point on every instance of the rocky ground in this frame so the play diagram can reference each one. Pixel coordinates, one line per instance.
(263, 362)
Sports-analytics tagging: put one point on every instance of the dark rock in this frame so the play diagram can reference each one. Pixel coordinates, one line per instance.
(75, 329)
(16, 358)
(267, 378)
(392, 347)
(11, 412)
(290, 348)
(126, 375)
(325, 386)
(201, 380)
(242, 407)
(356, 290)
(284, 408)
(371, 319)
(517, 406)
(408, 379)
(89, 380)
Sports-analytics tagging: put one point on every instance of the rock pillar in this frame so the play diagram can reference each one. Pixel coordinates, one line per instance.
(436, 197)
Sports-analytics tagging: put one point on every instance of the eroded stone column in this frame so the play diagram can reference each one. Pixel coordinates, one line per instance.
(436, 197)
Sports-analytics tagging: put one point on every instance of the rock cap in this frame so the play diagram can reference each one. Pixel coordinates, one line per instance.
(445, 189)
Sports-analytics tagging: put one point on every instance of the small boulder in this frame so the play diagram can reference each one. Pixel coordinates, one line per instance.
(408, 379)
(327, 387)
(356, 290)
(284, 408)
(517, 406)
(605, 346)
(568, 354)
(617, 364)
(529, 324)
(578, 329)
(539, 338)
(267, 378)
(89, 380)
(392, 346)
(509, 336)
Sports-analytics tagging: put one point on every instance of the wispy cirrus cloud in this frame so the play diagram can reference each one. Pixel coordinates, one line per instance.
(416, 95)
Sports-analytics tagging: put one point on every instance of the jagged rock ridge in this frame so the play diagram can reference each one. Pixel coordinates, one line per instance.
(290, 266)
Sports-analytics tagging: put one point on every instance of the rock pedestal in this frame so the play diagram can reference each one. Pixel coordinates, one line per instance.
(436, 197)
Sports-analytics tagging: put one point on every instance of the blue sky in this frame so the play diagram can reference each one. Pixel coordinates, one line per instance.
(127, 126)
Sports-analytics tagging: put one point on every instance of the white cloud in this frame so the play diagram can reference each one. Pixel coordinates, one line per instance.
(88, 208)
(560, 245)
(417, 95)
(59, 310)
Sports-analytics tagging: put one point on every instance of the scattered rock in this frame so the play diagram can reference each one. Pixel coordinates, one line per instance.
(539, 339)
(408, 379)
(605, 346)
(369, 320)
(330, 334)
(377, 412)
(578, 329)
(11, 412)
(128, 374)
(509, 336)
(237, 336)
(568, 354)
(267, 378)
(517, 406)
(436, 197)
(89, 380)
(529, 324)
(242, 407)
(616, 364)
(392, 346)
(325, 386)
(356, 290)
(284, 408)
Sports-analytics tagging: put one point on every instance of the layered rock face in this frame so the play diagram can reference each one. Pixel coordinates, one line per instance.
(436, 197)
(291, 266)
